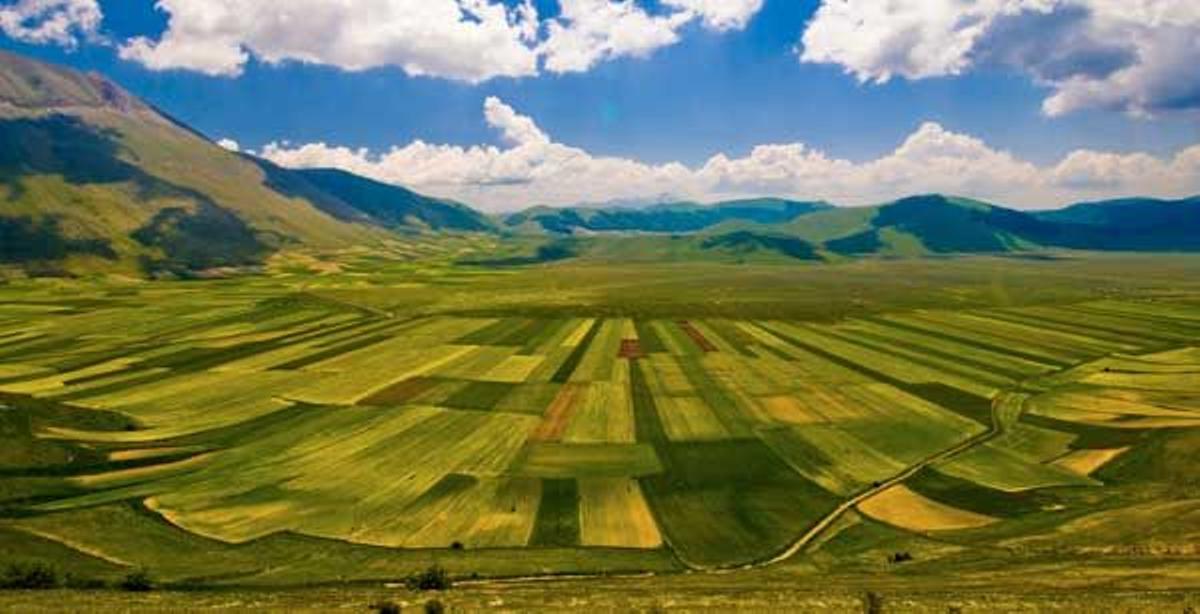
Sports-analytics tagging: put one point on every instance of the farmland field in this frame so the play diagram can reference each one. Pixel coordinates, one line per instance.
(570, 419)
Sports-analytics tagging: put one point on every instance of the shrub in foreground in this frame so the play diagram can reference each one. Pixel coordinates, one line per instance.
(137, 581)
(386, 607)
(433, 579)
(33, 576)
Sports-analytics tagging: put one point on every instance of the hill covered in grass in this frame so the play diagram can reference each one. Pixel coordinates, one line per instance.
(394, 206)
(916, 226)
(937, 224)
(1145, 224)
(682, 217)
(94, 179)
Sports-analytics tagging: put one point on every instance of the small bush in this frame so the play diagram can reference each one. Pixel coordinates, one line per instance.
(433, 606)
(31, 576)
(433, 579)
(456, 546)
(137, 581)
(900, 557)
(386, 607)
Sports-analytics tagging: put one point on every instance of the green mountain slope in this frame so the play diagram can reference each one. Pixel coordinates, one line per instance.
(939, 225)
(93, 179)
(663, 218)
(916, 226)
(394, 206)
(1132, 224)
(936, 224)
(82, 160)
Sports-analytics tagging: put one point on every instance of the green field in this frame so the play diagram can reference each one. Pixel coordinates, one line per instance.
(298, 428)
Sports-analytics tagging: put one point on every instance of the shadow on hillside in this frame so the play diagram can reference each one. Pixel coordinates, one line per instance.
(196, 234)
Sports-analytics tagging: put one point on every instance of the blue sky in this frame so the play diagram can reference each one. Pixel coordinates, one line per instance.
(713, 90)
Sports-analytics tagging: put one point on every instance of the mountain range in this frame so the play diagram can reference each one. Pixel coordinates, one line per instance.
(93, 179)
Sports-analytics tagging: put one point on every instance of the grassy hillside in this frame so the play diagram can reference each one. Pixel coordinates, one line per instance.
(663, 218)
(1133, 223)
(394, 206)
(81, 158)
(92, 179)
(938, 224)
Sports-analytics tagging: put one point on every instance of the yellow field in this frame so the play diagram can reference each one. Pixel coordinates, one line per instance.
(614, 513)
(901, 507)
(1087, 462)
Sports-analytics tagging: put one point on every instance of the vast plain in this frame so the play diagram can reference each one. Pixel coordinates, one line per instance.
(976, 431)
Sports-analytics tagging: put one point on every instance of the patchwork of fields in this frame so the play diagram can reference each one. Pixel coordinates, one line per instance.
(239, 416)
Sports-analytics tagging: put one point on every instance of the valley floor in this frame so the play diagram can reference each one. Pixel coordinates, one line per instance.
(982, 433)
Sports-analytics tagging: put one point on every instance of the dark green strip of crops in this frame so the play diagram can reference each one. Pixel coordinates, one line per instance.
(113, 387)
(74, 362)
(519, 335)
(647, 423)
(1088, 436)
(90, 464)
(4, 343)
(961, 402)
(977, 498)
(966, 404)
(648, 338)
(1094, 336)
(360, 329)
(39, 349)
(879, 343)
(480, 395)
(733, 336)
(451, 484)
(776, 352)
(254, 429)
(492, 333)
(983, 345)
(563, 374)
(1158, 318)
(1100, 333)
(190, 360)
(548, 329)
(332, 352)
(1127, 325)
(557, 522)
(713, 395)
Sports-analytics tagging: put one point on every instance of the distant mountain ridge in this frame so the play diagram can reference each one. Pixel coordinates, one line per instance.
(92, 179)
(1134, 223)
(937, 224)
(680, 217)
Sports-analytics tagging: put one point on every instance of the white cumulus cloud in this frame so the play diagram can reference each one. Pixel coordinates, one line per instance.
(589, 31)
(465, 40)
(532, 169)
(720, 15)
(469, 40)
(1136, 56)
(229, 144)
(58, 22)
